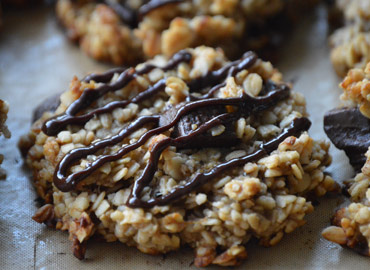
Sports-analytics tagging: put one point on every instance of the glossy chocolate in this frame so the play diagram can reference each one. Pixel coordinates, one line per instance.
(197, 118)
(349, 130)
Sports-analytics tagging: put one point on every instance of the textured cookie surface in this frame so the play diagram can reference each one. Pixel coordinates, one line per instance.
(124, 32)
(194, 150)
(351, 43)
(351, 225)
(355, 10)
(348, 129)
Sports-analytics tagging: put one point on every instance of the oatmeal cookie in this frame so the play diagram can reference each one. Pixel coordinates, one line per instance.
(350, 48)
(354, 10)
(351, 43)
(351, 225)
(356, 89)
(193, 150)
(349, 129)
(125, 32)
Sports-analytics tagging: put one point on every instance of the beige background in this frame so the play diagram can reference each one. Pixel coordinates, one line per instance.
(37, 61)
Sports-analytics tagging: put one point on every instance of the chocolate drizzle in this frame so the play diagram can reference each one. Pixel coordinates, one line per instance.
(103, 77)
(296, 127)
(127, 14)
(243, 106)
(132, 17)
(214, 77)
(154, 4)
(58, 123)
(247, 105)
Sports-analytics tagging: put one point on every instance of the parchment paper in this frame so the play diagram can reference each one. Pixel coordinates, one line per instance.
(36, 61)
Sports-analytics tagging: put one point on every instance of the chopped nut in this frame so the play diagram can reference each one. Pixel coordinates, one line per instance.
(45, 214)
(335, 234)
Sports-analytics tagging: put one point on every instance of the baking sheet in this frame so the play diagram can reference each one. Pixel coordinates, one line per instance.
(36, 61)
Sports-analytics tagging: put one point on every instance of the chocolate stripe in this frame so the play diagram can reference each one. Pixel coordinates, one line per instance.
(154, 4)
(246, 104)
(296, 127)
(54, 125)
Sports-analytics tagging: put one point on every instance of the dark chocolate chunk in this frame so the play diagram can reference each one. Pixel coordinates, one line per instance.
(349, 130)
(48, 105)
(185, 126)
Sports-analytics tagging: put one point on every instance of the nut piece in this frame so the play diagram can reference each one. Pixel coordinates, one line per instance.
(231, 257)
(46, 215)
(243, 190)
(335, 234)
(204, 256)
(79, 249)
